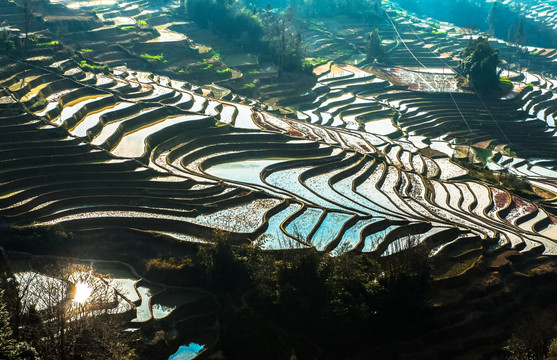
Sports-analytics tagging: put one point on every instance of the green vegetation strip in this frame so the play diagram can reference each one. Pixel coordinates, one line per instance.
(159, 57)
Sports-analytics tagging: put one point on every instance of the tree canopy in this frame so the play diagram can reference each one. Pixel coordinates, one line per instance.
(478, 62)
(492, 17)
(374, 48)
(269, 33)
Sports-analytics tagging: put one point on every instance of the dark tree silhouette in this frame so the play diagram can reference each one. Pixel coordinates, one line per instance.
(374, 48)
(520, 33)
(479, 63)
(492, 17)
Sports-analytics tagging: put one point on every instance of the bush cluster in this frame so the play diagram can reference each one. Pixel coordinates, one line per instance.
(295, 298)
(270, 34)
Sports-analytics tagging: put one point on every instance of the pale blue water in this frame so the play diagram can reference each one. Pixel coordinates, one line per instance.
(142, 310)
(329, 229)
(373, 240)
(351, 237)
(186, 352)
(274, 238)
(302, 226)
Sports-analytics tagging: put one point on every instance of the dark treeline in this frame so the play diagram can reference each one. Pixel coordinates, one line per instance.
(230, 18)
(271, 34)
(479, 65)
(303, 304)
(502, 20)
(272, 29)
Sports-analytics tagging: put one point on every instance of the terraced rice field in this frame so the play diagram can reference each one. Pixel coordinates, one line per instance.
(362, 163)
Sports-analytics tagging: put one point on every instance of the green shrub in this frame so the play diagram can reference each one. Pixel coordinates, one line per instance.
(316, 61)
(307, 66)
(154, 57)
(223, 71)
(127, 27)
(86, 50)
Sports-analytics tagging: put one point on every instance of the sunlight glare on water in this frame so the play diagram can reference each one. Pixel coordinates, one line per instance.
(82, 293)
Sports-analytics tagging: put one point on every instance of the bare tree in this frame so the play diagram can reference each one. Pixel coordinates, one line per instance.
(75, 308)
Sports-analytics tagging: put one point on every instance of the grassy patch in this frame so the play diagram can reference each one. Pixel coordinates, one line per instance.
(86, 50)
(154, 57)
(127, 27)
(249, 86)
(223, 71)
(208, 67)
(141, 22)
(483, 154)
(50, 43)
(39, 104)
(85, 66)
(316, 61)
(316, 28)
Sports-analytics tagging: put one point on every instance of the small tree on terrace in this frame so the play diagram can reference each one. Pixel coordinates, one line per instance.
(520, 33)
(6, 38)
(285, 42)
(492, 18)
(479, 63)
(374, 48)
